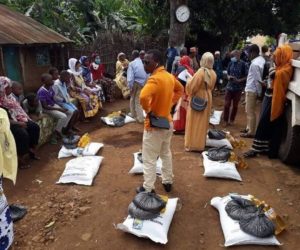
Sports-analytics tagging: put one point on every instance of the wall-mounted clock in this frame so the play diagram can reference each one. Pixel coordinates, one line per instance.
(182, 13)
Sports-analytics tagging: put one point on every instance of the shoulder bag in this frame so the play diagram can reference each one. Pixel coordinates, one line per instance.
(198, 103)
(159, 122)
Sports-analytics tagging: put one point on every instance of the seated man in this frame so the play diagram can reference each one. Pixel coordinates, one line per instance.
(62, 98)
(46, 96)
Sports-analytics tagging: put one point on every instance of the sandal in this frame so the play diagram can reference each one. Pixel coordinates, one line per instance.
(246, 135)
(244, 131)
(250, 154)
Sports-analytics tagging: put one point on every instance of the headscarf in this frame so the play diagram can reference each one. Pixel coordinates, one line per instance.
(9, 102)
(72, 70)
(120, 54)
(86, 72)
(207, 63)
(283, 74)
(83, 59)
(186, 62)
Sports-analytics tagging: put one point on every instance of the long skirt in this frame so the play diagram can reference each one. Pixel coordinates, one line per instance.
(268, 133)
(6, 224)
(109, 88)
(121, 82)
(179, 118)
(89, 104)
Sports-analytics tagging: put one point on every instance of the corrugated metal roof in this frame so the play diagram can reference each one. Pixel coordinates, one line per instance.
(16, 28)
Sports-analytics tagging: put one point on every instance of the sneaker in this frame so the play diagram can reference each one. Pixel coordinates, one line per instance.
(142, 189)
(167, 187)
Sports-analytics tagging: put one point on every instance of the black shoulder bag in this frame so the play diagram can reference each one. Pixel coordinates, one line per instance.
(198, 103)
(158, 122)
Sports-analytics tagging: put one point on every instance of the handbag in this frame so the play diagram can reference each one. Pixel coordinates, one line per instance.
(198, 103)
(159, 122)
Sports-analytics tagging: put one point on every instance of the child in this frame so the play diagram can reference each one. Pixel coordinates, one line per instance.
(46, 96)
(17, 91)
(33, 107)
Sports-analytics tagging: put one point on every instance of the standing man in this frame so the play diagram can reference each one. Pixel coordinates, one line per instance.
(253, 89)
(218, 68)
(136, 78)
(236, 82)
(142, 54)
(193, 56)
(159, 94)
(171, 54)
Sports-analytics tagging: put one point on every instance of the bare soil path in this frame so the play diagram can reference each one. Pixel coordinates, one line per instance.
(78, 217)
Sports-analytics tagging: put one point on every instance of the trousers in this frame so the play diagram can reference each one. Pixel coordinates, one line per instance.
(135, 106)
(156, 143)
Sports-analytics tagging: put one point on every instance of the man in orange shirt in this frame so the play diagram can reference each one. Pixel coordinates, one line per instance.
(159, 94)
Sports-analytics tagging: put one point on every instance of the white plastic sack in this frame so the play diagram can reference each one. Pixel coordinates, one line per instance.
(215, 118)
(81, 170)
(217, 169)
(109, 121)
(156, 229)
(231, 229)
(90, 150)
(138, 166)
(212, 143)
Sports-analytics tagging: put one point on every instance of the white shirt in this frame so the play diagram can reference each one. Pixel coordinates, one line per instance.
(255, 75)
(136, 73)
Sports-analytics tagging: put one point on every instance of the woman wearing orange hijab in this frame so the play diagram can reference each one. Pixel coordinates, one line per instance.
(267, 137)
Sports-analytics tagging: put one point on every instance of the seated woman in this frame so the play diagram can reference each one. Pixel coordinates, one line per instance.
(77, 89)
(121, 75)
(25, 131)
(88, 78)
(98, 71)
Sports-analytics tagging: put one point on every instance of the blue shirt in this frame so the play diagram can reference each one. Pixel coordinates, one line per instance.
(136, 73)
(237, 69)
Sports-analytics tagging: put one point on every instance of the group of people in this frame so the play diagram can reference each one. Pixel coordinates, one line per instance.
(77, 93)
(260, 74)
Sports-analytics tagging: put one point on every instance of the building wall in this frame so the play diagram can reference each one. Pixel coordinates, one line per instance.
(31, 70)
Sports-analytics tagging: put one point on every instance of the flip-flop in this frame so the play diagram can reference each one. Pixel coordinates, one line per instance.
(53, 141)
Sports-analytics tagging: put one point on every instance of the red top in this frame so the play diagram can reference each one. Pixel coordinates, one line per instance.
(97, 71)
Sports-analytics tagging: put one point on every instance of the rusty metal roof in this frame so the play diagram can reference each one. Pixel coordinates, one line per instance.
(16, 28)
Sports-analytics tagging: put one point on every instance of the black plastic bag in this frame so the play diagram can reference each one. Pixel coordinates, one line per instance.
(216, 134)
(140, 157)
(149, 202)
(118, 121)
(221, 154)
(259, 226)
(17, 212)
(239, 208)
(70, 142)
(139, 213)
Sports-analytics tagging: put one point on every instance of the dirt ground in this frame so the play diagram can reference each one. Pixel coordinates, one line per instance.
(79, 217)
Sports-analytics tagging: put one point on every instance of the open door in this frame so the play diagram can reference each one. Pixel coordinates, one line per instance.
(12, 66)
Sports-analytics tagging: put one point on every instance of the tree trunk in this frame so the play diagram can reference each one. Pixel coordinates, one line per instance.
(177, 30)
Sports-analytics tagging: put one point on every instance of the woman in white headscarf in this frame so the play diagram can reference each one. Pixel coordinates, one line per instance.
(197, 122)
(121, 74)
(88, 101)
(8, 169)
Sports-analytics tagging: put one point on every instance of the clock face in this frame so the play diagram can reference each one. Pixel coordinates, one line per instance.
(182, 13)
